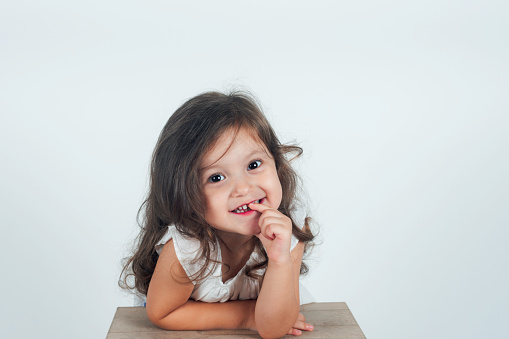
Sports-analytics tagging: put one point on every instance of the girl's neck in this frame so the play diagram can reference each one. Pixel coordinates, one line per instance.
(236, 242)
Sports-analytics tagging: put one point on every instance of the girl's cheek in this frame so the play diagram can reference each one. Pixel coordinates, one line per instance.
(278, 196)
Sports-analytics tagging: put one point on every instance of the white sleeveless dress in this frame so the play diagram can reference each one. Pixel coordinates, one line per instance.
(212, 289)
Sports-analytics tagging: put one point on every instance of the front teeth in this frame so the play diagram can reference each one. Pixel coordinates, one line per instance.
(244, 208)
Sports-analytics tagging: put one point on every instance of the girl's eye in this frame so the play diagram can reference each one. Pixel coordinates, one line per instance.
(216, 177)
(255, 164)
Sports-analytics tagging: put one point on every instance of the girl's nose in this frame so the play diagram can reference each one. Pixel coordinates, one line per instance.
(241, 188)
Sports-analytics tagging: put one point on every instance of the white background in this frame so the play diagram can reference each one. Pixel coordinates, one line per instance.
(401, 108)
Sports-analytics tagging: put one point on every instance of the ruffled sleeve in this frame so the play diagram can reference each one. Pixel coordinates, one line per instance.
(188, 251)
(293, 243)
(299, 216)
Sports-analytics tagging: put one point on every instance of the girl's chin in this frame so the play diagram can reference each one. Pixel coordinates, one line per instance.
(257, 230)
(254, 230)
(248, 230)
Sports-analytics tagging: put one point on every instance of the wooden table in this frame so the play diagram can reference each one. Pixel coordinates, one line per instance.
(330, 320)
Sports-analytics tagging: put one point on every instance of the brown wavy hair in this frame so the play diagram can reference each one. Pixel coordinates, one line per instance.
(175, 196)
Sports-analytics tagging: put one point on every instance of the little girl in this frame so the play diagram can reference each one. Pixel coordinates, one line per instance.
(220, 245)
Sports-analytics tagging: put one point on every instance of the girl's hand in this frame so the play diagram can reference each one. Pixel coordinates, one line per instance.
(276, 232)
(300, 326)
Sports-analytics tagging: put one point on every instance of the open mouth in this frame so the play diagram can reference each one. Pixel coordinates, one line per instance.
(245, 208)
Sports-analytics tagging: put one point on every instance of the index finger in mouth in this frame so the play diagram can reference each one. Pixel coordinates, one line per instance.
(259, 207)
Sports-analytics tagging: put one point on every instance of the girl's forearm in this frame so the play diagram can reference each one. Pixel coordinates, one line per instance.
(277, 307)
(196, 315)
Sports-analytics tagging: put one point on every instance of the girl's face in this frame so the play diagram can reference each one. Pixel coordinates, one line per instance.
(235, 173)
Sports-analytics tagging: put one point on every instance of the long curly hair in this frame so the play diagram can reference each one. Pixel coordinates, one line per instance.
(175, 195)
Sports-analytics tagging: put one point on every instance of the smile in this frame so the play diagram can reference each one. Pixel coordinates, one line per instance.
(245, 208)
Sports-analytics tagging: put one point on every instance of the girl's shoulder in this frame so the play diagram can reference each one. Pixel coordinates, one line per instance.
(186, 245)
(188, 250)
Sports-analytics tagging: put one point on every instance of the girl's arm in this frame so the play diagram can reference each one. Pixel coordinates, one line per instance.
(278, 305)
(169, 307)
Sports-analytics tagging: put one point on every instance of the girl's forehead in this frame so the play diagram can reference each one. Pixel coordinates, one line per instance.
(233, 140)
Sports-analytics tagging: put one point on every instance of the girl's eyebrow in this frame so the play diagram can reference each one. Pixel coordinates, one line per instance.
(256, 152)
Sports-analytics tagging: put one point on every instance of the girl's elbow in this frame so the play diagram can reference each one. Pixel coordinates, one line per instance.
(165, 323)
(158, 319)
(153, 316)
(272, 334)
(271, 331)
